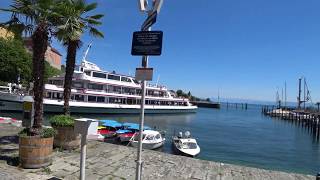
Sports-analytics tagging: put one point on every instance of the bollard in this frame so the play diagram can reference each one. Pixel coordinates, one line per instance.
(28, 111)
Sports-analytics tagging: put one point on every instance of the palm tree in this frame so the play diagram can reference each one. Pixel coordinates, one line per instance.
(73, 24)
(37, 18)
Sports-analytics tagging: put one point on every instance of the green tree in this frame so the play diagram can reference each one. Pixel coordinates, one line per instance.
(15, 62)
(37, 17)
(179, 93)
(73, 23)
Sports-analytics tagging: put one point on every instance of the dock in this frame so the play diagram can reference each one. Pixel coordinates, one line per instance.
(110, 161)
(206, 104)
(307, 119)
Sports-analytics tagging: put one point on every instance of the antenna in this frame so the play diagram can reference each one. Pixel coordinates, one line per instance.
(157, 80)
(86, 52)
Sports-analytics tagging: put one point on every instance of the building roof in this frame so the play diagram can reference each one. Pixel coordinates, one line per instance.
(56, 51)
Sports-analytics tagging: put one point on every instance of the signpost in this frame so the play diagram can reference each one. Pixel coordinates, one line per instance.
(149, 21)
(144, 74)
(146, 43)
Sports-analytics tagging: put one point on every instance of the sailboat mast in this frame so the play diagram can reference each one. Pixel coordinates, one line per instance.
(285, 94)
(281, 96)
(304, 93)
(299, 94)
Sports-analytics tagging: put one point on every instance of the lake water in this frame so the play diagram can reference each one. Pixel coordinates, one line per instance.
(244, 137)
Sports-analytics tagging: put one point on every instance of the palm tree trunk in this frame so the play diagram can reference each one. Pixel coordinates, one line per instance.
(71, 60)
(40, 43)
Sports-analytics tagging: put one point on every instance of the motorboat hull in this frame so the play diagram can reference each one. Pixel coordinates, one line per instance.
(148, 145)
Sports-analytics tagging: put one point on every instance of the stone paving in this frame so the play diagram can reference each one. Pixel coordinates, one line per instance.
(115, 162)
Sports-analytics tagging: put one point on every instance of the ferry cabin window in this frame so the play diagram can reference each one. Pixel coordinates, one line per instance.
(57, 95)
(99, 75)
(92, 99)
(48, 95)
(114, 77)
(77, 84)
(114, 89)
(125, 79)
(100, 99)
(135, 81)
(95, 86)
(88, 73)
(139, 92)
(126, 90)
(56, 82)
(79, 97)
(117, 100)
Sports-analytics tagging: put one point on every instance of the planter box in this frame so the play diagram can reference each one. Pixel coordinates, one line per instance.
(66, 138)
(35, 152)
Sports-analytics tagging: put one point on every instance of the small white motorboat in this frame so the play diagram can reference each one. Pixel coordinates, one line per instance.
(185, 145)
(150, 139)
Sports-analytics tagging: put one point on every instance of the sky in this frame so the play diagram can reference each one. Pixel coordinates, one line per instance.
(242, 49)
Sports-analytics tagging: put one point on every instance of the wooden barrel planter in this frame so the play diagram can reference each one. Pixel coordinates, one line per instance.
(66, 138)
(35, 152)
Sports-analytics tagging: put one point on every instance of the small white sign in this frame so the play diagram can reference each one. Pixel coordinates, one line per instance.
(144, 74)
(85, 126)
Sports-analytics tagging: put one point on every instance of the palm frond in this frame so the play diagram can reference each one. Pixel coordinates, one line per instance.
(96, 17)
(90, 7)
(95, 32)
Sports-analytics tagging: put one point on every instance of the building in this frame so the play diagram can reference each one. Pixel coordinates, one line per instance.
(52, 56)
(4, 33)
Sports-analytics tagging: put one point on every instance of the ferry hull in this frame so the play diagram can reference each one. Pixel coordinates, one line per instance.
(15, 104)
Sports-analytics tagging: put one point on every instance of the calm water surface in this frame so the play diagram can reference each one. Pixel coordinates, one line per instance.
(236, 136)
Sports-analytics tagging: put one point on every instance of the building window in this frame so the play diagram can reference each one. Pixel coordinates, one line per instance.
(114, 77)
(99, 75)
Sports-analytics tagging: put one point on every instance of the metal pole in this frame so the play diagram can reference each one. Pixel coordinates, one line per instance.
(83, 156)
(143, 97)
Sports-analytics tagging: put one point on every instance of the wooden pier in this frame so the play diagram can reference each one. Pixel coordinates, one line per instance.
(236, 105)
(307, 119)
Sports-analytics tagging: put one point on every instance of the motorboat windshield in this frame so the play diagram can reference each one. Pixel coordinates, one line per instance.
(189, 145)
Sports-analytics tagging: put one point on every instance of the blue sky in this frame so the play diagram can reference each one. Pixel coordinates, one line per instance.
(245, 49)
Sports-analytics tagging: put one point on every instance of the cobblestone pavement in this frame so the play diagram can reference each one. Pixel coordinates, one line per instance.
(109, 161)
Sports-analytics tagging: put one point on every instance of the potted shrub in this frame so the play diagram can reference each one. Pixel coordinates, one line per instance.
(65, 137)
(35, 150)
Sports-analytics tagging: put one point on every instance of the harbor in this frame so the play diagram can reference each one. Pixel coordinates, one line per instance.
(109, 161)
(170, 95)
(234, 136)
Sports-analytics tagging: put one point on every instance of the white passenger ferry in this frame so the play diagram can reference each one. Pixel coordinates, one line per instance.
(97, 91)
